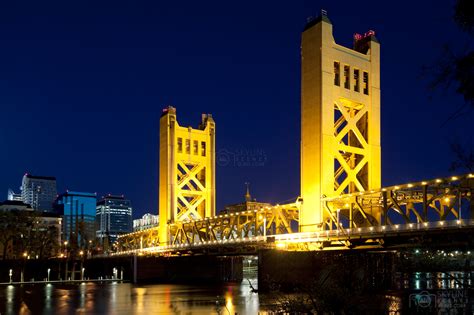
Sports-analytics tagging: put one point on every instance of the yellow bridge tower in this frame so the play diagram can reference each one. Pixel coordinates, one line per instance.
(186, 172)
(340, 120)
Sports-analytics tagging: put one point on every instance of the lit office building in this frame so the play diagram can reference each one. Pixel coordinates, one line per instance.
(12, 196)
(39, 192)
(113, 217)
(79, 211)
(147, 221)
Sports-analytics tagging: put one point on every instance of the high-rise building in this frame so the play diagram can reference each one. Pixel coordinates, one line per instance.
(39, 192)
(114, 217)
(79, 211)
(147, 221)
(12, 196)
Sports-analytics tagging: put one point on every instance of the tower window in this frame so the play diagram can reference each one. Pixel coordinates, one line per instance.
(195, 147)
(347, 77)
(180, 145)
(356, 80)
(337, 73)
(203, 148)
(188, 146)
(366, 83)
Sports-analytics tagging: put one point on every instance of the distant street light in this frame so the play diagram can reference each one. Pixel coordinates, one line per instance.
(11, 274)
(49, 270)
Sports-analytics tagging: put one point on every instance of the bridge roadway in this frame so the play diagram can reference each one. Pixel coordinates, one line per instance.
(435, 212)
(441, 233)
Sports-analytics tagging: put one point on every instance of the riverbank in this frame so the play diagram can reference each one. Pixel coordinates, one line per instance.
(63, 281)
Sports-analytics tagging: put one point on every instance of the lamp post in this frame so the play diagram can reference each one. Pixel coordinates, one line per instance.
(265, 227)
(49, 270)
(11, 274)
(89, 251)
(264, 217)
(338, 224)
(65, 255)
(25, 255)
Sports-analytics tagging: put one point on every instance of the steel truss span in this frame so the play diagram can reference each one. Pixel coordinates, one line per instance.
(357, 220)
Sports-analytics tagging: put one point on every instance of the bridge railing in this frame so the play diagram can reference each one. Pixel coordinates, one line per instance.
(283, 241)
(428, 205)
(230, 227)
(437, 200)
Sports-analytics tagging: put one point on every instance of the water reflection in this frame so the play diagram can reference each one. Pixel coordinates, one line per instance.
(435, 280)
(124, 298)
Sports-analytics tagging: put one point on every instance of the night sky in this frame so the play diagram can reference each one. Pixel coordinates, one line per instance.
(82, 86)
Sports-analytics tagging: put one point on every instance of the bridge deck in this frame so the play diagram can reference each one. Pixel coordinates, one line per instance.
(372, 218)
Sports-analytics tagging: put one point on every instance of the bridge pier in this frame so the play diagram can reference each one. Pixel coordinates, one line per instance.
(187, 269)
(297, 270)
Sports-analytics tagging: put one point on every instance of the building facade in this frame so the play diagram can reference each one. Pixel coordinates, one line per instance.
(36, 234)
(113, 217)
(147, 221)
(78, 210)
(14, 205)
(13, 196)
(248, 204)
(39, 191)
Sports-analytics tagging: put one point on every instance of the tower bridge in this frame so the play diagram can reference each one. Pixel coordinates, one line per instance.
(342, 203)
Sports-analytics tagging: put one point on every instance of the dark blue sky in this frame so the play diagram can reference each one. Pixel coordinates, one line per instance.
(82, 86)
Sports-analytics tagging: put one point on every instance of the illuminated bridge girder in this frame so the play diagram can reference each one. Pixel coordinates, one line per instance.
(239, 226)
(407, 210)
(436, 200)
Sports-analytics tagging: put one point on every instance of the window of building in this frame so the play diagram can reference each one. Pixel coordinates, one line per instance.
(366, 83)
(337, 73)
(347, 77)
(188, 146)
(203, 148)
(195, 147)
(180, 145)
(356, 80)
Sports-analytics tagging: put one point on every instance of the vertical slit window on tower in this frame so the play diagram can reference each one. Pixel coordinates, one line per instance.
(195, 147)
(188, 146)
(356, 80)
(337, 73)
(203, 148)
(366, 83)
(347, 77)
(180, 145)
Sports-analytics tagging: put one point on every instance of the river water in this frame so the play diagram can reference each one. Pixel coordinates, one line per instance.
(427, 292)
(126, 298)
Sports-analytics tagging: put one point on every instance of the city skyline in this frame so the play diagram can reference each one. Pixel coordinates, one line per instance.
(128, 69)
